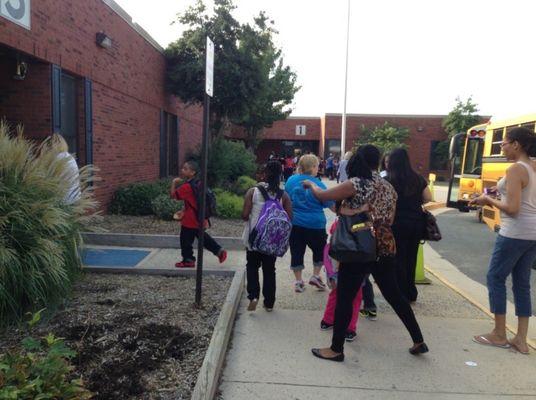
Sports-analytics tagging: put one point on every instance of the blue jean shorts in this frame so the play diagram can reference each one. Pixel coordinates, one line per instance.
(516, 257)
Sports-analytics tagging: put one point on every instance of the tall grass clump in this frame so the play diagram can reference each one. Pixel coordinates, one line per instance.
(39, 234)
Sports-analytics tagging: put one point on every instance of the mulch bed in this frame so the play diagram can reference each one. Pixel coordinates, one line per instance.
(136, 337)
(151, 225)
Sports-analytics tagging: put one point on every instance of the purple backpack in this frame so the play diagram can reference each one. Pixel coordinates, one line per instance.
(272, 231)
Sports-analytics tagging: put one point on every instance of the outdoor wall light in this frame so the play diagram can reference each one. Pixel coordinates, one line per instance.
(420, 129)
(103, 41)
(21, 70)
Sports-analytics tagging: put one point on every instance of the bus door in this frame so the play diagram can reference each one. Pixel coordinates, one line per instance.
(457, 143)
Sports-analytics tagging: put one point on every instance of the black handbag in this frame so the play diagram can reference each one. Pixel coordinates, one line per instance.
(431, 231)
(353, 240)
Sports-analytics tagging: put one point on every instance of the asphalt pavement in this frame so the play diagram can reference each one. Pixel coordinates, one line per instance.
(468, 245)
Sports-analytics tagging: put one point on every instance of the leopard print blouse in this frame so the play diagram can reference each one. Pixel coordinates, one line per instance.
(381, 198)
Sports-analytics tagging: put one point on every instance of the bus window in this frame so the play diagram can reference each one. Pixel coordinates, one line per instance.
(530, 125)
(473, 157)
(496, 142)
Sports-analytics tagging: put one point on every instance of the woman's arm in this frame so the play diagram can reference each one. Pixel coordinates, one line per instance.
(514, 186)
(426, 195)
(287, 205)
(340, 192)
(248, 204)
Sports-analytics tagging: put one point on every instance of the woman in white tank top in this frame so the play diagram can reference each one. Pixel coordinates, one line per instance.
(515, 248)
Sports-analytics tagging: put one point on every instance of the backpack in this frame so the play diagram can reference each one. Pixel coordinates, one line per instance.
(272, 231)
(210, 199)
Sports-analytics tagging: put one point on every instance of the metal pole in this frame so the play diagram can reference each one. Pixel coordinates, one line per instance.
(201, 207)
(343, 131)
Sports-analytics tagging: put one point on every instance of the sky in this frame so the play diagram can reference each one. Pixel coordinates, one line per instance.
(405, 57)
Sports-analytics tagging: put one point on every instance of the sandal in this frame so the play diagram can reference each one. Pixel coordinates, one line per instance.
(483, 340)
(515, 348)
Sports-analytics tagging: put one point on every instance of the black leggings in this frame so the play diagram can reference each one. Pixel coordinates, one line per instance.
(350, 279)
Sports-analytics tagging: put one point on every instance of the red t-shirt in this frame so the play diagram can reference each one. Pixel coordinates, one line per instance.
(184, 192)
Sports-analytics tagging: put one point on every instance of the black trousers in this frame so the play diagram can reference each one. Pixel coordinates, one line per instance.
(350, 279)
(368, 296)
(407, 237)
(256, 260)
(188, 236)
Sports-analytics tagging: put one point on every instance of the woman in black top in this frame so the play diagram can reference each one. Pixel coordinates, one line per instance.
(412, 190)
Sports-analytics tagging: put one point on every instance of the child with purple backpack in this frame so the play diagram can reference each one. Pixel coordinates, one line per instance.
(268, 212)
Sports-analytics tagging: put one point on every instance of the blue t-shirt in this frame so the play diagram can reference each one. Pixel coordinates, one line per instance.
(307, 211)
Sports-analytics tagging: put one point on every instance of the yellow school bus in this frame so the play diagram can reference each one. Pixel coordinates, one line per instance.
(481, 164)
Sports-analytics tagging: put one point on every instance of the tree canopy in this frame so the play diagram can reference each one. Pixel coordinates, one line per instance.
(462, 117)
(386, 137)
(252, 86)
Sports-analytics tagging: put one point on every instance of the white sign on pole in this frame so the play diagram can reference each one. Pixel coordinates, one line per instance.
(17, 11)
(209, 68)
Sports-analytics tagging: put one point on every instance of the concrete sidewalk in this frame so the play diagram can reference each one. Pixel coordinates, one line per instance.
(270, 355)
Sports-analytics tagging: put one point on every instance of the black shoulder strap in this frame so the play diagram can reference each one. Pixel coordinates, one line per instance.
(263, 192)
(266, 196)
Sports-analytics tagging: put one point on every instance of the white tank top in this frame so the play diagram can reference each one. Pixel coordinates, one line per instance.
(258, 203)
(522, 226)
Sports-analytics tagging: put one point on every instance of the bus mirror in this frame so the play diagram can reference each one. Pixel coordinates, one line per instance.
(455, 145)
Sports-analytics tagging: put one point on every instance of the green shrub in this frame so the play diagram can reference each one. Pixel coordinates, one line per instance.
(40, 370)
(39, 234)
(228, 205)
(136, 198)
(243, 184)
(164, 207)
(227, 161)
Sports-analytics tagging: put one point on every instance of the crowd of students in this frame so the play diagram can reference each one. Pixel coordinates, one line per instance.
(392, 198)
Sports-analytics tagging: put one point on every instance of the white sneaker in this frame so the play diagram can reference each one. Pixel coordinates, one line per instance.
(299, 286)
(317, 281)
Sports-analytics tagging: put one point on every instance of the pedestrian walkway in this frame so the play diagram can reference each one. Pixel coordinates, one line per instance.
(270, 357)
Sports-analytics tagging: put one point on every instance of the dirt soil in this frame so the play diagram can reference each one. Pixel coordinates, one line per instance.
(137, 337)
(151, 225)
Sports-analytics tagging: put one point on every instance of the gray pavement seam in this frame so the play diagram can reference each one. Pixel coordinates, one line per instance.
(383, 389)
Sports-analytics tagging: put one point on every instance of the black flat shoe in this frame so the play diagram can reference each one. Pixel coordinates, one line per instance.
(420, 349)
(338, 357)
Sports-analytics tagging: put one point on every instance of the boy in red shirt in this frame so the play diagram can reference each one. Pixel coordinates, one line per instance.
(181, 189)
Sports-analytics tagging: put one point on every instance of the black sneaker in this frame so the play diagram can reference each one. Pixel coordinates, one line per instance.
(350, 336)
(325, 326)
(372, 315)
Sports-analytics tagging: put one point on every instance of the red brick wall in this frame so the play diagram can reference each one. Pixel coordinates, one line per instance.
(27, 101)
(286, 129)
(128, 86)
(423, 130)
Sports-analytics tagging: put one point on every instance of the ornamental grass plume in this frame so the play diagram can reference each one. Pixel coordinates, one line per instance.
(39, 234)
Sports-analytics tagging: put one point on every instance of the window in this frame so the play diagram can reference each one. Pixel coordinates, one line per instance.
(473, 157)
(68, 115)
(496, 142)
(169, 144)
(530, 125)
(300, 130)
(332, 146)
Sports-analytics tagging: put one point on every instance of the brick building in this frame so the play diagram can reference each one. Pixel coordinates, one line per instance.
(321, 135)
(84, 69)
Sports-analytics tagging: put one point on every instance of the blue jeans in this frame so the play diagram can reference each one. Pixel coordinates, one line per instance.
(513, 256)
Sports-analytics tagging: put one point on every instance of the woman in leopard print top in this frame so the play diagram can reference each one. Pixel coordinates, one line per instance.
(367, 191)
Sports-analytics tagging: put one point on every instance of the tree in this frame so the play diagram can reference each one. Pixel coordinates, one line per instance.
(462, 117)
(252, 87)
(386, 137)
(271, 87)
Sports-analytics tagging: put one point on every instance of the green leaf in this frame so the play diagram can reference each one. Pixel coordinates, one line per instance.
(31, 344)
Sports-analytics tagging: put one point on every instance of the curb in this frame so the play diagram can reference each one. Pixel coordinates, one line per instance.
(471, 300)
(209, 374)
(160, 272)
(153, 241)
